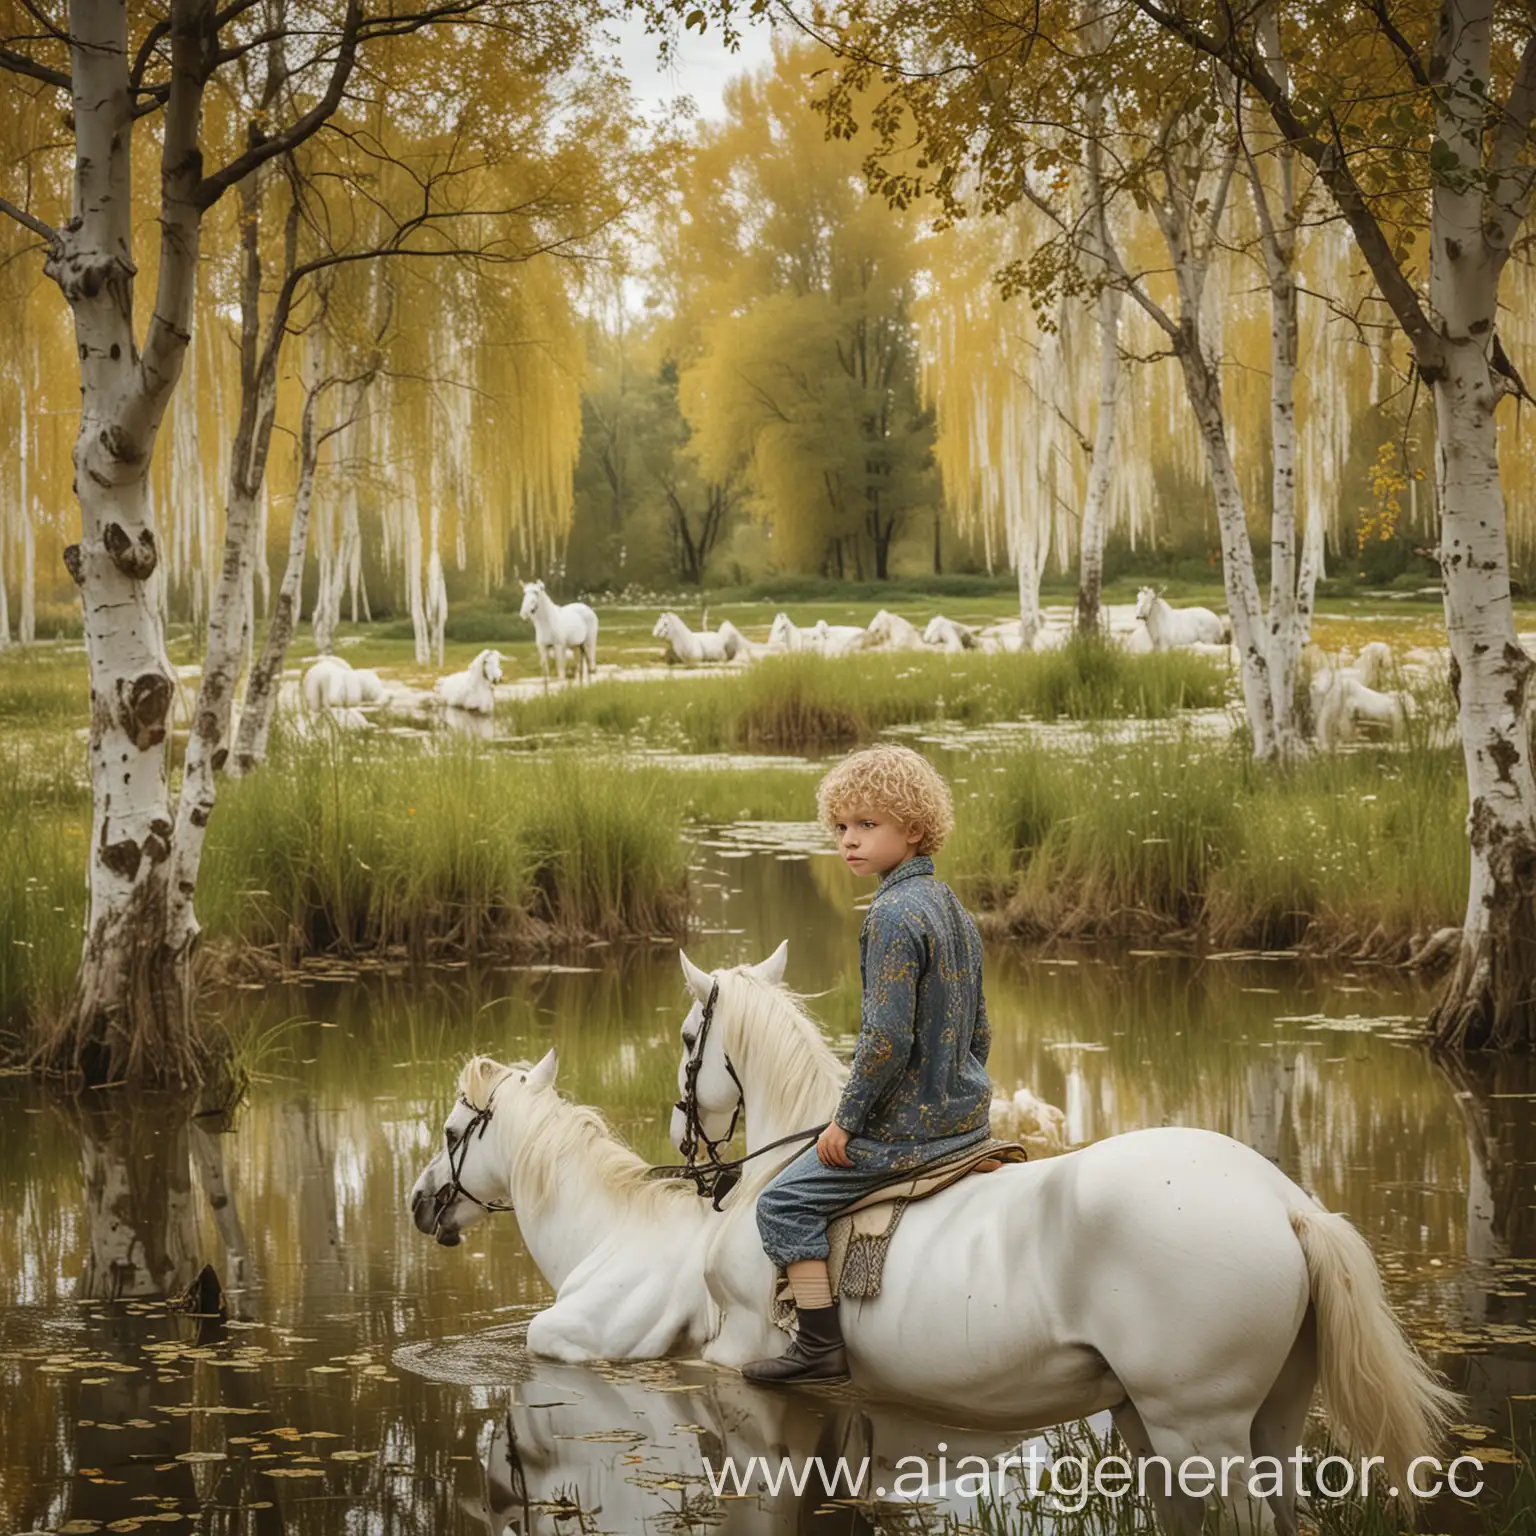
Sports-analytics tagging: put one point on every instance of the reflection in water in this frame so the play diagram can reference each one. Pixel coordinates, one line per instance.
(295, 1416)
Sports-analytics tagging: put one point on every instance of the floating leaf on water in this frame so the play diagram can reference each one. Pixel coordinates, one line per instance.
(78, 1527)
(203, 1456)
(140, 1423)
(353, 1455)
(292, 1472)
(321, 1434)
(328, 1370)
(125, 1525)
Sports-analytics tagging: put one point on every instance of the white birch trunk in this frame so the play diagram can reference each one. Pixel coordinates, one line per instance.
(1090, 579)
(125, 1018)
(1032, 552)
(1488, 999)
(26, 630)
(5, 602)
(265, 676)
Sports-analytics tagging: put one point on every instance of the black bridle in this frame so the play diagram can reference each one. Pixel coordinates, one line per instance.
(716, 1177)
(450, 1192)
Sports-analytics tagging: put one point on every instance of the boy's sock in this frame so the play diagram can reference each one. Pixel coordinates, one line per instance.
(808, 1280)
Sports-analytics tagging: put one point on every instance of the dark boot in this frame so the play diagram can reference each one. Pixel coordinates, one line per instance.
(815, 1352)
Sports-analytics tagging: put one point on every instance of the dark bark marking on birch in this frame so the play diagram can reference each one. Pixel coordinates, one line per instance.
(134, 558)
(219, 758)
(145, 707)
(199, 816)
(122, 858)
(118, 443)
(1506, 756)
(74, 564)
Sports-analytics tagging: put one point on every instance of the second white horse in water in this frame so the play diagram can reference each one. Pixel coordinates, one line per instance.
(473, 689)
(694, 647)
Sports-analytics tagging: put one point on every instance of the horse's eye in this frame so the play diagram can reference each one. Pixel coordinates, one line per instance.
(450, 1137)
(688, 1041)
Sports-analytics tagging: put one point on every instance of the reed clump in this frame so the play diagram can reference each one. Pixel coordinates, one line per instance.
(1364, 851)
(807, 703)
(350, 845)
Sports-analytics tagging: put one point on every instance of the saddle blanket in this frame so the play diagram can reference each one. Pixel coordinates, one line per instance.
(859, 1235)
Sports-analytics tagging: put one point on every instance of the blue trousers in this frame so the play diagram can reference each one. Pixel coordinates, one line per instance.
(793, 1210)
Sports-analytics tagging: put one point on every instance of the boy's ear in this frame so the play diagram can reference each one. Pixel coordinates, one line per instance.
(772, 969)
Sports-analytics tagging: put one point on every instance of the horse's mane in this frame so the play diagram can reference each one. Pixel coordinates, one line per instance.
(767, 1027)
(555, 1132)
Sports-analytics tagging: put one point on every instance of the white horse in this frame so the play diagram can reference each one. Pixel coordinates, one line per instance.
(693, 647)
(1173, 1276)
(822, 638)
(1170, 627)
(474, 688)
(1347, 704)
(332, 683)
(950, 635)
(558, 630)
(890, 632)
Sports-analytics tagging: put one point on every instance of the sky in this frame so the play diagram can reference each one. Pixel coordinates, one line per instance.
(700, 69)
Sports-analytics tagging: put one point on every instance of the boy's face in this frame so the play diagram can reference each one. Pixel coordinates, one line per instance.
(871, 842)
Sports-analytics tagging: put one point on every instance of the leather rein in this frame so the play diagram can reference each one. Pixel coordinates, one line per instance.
(716, 1177)
(713, 1178)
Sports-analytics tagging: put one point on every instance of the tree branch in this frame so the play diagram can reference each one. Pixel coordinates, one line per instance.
(31, 221)
(21, 64)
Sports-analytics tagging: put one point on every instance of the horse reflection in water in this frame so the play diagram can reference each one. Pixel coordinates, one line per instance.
(576, 1452)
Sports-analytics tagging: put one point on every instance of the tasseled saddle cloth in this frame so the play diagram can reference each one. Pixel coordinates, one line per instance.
(859, 1235)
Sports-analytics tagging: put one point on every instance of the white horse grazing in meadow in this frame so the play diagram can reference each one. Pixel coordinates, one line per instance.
(822, 638)
(559, 630)
(950, 635)
(1172, 1276)
(332, 683)
(474, 688)
(890, 632)
(694, 647)
(1171, 627)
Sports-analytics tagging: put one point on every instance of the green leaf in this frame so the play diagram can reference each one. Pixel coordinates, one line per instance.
(696, 19)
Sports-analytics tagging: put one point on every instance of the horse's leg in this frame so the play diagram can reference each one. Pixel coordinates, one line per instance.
(560, 660)
(1209, 1457)
(1277, 1426)
(1180, 1514)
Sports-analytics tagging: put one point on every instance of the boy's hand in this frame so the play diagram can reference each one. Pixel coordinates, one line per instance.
(832, 1147)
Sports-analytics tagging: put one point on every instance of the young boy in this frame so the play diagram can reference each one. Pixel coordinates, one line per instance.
(919, 1089)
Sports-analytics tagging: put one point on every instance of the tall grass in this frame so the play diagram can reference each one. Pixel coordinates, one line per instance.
(807, 703)
(1165, 838)
(349, 844)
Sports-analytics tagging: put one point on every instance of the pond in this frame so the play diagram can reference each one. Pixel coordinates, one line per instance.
(369, 1380)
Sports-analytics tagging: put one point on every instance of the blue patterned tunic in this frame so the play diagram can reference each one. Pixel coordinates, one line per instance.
(919, 1089)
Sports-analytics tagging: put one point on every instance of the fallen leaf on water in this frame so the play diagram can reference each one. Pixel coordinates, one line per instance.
(292, 1472)
(203, 1456)
(353, 1455)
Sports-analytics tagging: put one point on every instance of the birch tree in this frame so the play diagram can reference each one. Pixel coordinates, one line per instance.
(132, 1013)
(1384, 104)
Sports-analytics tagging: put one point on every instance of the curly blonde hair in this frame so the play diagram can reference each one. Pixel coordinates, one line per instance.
(895, 781)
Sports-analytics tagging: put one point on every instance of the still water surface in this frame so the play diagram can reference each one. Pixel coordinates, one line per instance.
(373, 1382)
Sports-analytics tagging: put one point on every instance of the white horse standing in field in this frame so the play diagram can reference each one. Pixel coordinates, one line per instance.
(1350, 695)
(697, 646)
(559, 630)
(332, 683)
(1170, 627)
(1172, 1276)
(473, 689)
(890, 632)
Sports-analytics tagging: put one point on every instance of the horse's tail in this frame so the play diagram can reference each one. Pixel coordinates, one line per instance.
(1382, 1397)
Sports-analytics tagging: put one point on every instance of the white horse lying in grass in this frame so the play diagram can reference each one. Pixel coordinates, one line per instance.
(693, 647)
(1347, 705)
(1173, 1276)
(558, 630)
(332, 683)
(474, 688)
(890, 632)
(822, 638)
(1171, 627)
(950, 635)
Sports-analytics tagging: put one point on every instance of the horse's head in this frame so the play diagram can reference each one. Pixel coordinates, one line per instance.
(782, 631)
(533, 592)
(469, 1177)
(937, 631)
(1145, 598)
(715, 1091)
(488, 665)
(881, 627)
(663, 626)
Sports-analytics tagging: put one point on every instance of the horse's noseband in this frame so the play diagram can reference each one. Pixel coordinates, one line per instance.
(480, 1119)
(717, 1177)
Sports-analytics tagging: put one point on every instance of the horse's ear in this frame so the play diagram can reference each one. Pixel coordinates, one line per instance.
(700, 983)
(771, 970)
(543, 1075)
